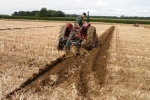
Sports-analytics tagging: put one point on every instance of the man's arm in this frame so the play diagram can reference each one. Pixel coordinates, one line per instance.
(77, 25)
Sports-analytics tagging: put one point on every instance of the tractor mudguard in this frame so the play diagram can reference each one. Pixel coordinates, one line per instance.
(69, 26)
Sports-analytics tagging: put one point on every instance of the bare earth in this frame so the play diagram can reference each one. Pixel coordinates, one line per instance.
(32, 69)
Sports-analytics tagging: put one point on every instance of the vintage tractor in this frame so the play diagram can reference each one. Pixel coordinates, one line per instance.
(136, 25)
(74, 36)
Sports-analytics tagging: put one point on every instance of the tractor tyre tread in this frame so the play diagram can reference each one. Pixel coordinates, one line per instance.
(62, 32)
(90, 35)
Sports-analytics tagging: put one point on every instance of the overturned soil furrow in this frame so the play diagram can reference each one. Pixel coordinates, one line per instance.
(80, 70)
(148, 27)
(93, 72)
(25, 28)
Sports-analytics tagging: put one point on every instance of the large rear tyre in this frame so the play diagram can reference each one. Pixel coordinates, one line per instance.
(62, 34)
(91, 39)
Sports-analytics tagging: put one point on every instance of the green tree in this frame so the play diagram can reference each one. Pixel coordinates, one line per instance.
(35, 13)
(43, 12)
(49, 13)
(15, 13)
(122, 16)
(53, 13)
(60, 13)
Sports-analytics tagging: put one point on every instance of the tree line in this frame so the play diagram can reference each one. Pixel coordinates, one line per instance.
(42, 13)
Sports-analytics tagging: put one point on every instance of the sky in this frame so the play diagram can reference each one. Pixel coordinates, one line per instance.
(95, 7)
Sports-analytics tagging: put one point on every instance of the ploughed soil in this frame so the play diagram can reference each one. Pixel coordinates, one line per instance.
(81, 75)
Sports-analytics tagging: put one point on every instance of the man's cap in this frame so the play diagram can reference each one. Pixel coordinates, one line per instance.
(84, 14)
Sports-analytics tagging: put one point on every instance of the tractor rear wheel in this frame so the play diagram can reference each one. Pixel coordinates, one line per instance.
(62, 33)
(91, 39)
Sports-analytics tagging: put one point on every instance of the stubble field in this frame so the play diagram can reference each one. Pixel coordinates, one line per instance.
(32, 68)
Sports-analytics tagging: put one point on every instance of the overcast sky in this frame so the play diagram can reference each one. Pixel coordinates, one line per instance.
(96, 7)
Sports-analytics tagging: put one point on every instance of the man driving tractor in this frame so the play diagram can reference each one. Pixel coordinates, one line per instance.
(73, 36)
(79, 20)
(79, 24)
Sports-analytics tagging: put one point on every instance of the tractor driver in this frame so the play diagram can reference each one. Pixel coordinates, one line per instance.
(79, 20)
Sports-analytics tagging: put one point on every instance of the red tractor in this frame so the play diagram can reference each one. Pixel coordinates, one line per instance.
(136, 25)
(74, 36)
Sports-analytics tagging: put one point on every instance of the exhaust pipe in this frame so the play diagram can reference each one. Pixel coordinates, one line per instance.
(88, 17)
